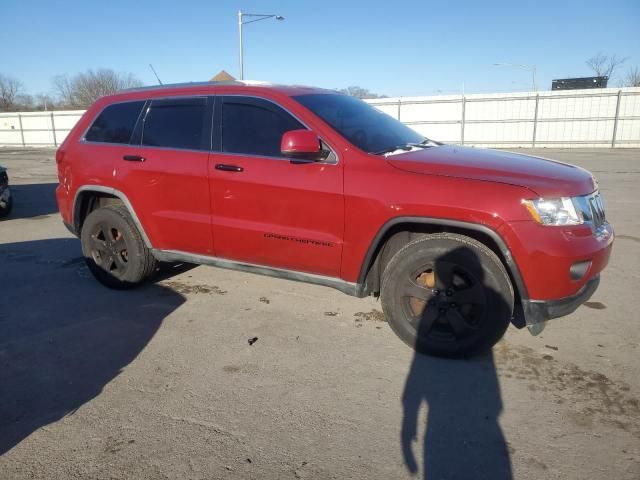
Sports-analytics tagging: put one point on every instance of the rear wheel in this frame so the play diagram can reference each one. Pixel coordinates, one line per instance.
(447, 295)
(114, 249)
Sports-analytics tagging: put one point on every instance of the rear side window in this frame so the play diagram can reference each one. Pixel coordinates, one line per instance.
(115, 124)
(176, 123)
(254, 127)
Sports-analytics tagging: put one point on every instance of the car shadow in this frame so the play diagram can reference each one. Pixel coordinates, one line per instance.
(462, 438)
(63, 337)
(33, 200)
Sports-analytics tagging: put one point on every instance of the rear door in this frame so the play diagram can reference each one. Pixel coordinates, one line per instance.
(268, 210)
(165, 176)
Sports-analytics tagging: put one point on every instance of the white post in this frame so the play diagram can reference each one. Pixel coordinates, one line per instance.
(535, 121)
(53, 130)
(464, 114)
(21, 129)
(615, 120)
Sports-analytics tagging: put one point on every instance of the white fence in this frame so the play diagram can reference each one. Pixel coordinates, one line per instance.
(36, 129)
(574, 118)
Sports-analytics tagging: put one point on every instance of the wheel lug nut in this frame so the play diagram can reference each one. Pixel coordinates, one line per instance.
(453, 305)
(449, 292)
(436, 291)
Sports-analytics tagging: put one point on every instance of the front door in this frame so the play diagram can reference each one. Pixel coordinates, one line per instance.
(268, 210)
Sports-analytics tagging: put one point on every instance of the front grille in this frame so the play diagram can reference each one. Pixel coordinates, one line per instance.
(4, 179)
(591, 209)
(597, 210)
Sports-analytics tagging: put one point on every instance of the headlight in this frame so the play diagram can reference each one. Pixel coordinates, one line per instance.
(554, 211)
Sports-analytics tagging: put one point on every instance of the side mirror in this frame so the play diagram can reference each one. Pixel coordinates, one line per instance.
(302, 145)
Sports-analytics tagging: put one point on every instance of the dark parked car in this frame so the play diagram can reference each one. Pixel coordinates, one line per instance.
(6, 201)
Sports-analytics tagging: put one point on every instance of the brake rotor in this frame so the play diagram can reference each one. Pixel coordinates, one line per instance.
(428, 280)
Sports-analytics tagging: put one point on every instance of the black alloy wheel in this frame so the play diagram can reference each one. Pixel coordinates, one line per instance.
(447, 295)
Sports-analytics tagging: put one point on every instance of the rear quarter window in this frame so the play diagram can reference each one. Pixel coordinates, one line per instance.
(115, 123)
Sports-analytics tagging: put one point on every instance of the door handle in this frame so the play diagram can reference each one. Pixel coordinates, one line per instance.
(133, 158)
(229, 168)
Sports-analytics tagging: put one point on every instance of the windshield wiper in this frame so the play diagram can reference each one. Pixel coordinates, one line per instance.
(426, 143)
(406, 147)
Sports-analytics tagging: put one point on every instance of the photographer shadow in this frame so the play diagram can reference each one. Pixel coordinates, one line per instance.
(463, 438)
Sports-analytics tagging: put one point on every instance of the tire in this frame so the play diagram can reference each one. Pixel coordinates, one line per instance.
(114, 249)
(447, 295)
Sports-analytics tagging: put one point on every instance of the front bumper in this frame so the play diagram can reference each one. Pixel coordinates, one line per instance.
(537, 311)
(560, 268)
(555, 262)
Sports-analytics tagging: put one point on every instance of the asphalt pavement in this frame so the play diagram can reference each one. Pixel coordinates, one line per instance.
(163, 382)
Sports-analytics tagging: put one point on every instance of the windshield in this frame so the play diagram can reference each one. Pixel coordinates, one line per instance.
(361, 124)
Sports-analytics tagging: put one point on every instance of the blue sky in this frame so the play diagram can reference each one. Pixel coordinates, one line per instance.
(395, 48)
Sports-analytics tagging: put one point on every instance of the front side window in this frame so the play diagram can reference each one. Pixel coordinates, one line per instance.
(253, 126)
(176, 123)
(358, 122)
(115, 123)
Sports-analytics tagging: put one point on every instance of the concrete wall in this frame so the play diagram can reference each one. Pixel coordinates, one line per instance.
(574, 118)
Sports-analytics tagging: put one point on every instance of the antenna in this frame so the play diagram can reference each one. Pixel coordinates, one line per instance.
(154, 72)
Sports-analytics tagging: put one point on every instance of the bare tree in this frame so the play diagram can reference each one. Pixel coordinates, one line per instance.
(605, 65)
(44, 101)
(63, 88)
(360, 92)
(85, 88)
(633, 77)
(24, 102)
(10, 89)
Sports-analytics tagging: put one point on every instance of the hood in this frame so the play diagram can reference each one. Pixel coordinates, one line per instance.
(546, 178)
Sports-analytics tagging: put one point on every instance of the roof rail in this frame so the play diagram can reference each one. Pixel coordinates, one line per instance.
(197, 84)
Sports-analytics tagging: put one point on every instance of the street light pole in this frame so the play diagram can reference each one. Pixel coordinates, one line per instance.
(256, 18)
(526, 67)
(240, 30)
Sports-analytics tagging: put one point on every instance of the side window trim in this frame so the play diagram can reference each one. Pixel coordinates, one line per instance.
(136, 136)
(216, 124)
(333, 158)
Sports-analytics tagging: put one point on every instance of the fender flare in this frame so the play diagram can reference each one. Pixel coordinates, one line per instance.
(115, 193)
(511, 265)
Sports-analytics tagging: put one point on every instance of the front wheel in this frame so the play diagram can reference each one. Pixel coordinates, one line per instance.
(114, 249)
(447, 295)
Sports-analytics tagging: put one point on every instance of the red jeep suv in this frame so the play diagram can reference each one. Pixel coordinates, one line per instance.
(315, 186)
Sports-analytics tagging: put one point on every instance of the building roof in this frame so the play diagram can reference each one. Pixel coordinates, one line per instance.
(222, 76)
